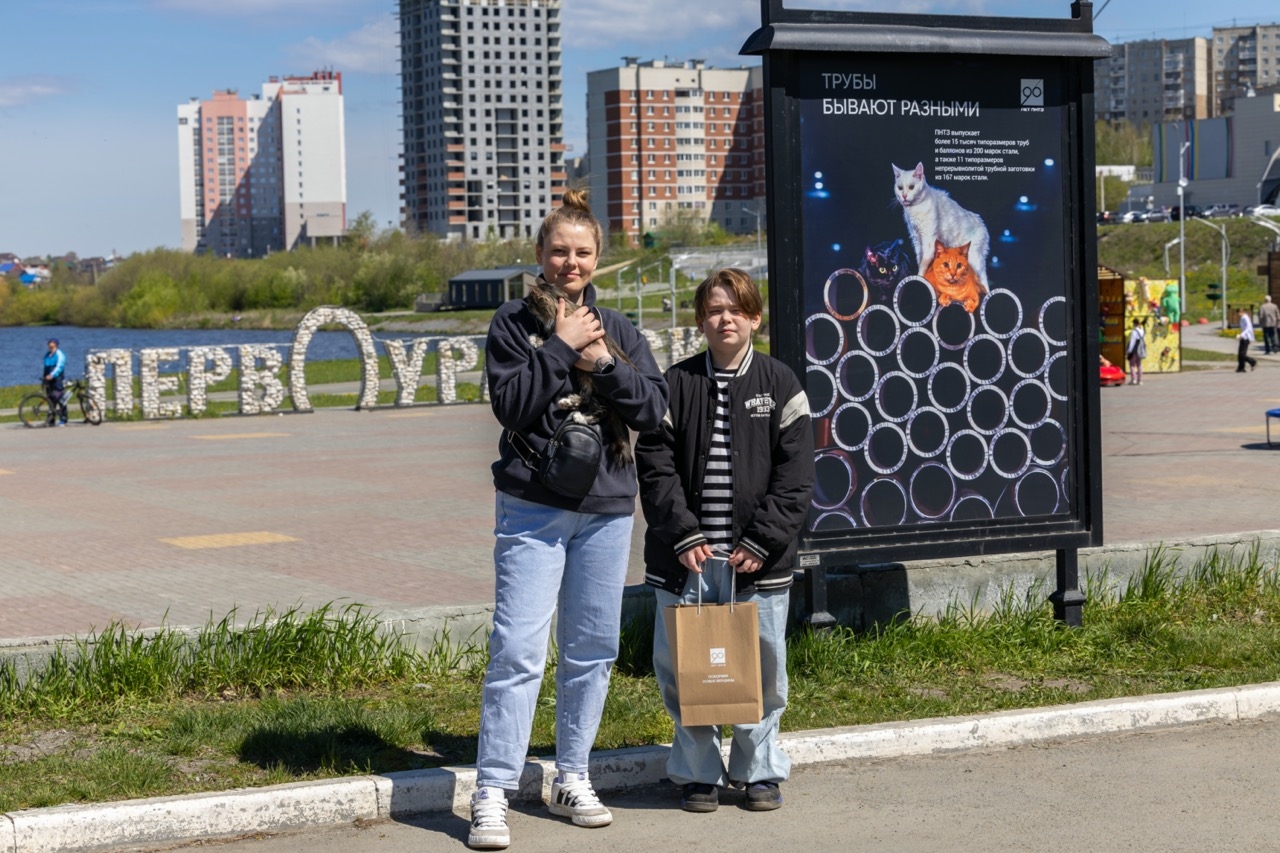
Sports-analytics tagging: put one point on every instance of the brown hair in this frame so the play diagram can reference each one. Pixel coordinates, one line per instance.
(744, 291)
(573, 210)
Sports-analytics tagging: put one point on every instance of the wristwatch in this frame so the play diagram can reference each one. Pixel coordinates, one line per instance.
(604, 364)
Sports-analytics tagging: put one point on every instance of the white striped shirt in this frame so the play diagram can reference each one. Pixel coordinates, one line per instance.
(716, 519)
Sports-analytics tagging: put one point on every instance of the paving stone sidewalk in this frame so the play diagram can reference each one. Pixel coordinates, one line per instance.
(180, 521)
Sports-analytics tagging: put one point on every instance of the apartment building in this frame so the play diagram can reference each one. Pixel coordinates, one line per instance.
(483, 153)
(1246, 60)
(263, 174)
(669, 139)
(1145, 82)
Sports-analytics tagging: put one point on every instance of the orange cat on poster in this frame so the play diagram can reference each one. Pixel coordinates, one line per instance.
(952, 277)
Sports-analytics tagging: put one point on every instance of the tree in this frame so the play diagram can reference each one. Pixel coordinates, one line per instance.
(361, 231)
(1122, 144)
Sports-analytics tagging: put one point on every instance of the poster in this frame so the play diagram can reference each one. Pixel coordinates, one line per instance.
(936, 303)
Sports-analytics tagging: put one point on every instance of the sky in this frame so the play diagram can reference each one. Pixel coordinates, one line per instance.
(89, 88)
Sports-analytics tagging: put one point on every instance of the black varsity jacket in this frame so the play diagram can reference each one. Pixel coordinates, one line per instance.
(771, 447)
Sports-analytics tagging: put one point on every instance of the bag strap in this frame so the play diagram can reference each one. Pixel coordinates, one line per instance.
(532, 465)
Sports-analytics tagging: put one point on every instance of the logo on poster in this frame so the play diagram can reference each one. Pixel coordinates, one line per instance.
(718, 657)
(1032, 93)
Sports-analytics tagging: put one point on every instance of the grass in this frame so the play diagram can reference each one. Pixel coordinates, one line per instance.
(296, 696)
(1192, 354)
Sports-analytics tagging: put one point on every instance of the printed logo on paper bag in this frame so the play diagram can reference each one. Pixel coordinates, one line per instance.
(718, 658)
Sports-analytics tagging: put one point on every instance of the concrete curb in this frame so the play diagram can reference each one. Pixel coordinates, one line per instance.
(397, 795)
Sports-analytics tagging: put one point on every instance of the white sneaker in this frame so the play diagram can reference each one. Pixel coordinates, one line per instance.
(489, 820)
(575, 798)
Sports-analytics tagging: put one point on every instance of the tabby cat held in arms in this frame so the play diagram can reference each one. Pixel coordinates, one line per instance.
(933, 216)
(584, 406)
(952, 277)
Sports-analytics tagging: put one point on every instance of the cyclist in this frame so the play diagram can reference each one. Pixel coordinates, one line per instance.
(55, 365)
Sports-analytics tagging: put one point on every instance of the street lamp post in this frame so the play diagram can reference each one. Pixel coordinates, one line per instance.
(1226, 253)
(1167, 246)
(756, 213)
(1182, 227)
(673, 301)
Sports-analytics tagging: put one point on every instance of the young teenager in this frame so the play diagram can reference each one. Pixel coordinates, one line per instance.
(551, 551)
(725, 485)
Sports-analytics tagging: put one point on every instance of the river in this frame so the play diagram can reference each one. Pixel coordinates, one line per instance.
(22, 348)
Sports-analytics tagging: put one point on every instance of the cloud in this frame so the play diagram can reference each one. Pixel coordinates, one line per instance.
(19, 91)
(373, 48)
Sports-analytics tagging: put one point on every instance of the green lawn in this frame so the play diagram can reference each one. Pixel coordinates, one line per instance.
(297, 696)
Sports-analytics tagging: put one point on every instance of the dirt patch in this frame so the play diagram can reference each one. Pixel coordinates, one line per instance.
(38, 746)
(1068, 684)
(1002, 681)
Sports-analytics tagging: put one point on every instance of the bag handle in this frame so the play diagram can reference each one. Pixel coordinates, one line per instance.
(733, 589)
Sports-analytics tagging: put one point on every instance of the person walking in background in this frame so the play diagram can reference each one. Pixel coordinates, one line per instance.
(1269, 320)
(1246, 338)
(546, 358)
(725, 485)
(1136, 351)
(55, 368)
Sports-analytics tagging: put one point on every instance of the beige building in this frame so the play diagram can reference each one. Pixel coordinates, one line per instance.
(1245, 60)
(676, 139)
(1145, 82)
(264, 174)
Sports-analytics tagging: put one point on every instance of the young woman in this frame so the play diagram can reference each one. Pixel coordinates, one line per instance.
(1136, 351)
(552, 356)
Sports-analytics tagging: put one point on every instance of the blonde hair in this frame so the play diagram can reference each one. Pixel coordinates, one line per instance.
(744, 290)
(573, 210)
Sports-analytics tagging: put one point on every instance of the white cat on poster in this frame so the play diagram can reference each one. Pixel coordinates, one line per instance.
(934, 217)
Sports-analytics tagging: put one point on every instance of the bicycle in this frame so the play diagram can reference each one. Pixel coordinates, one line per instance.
(38, 410)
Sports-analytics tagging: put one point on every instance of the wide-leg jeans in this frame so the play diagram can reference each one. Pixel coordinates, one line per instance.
(754, 753)
(547, 558)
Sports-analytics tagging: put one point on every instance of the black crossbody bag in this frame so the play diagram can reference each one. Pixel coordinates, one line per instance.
(571, 460)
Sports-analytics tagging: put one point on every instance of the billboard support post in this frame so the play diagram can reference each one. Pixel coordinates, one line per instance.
(1068, 600)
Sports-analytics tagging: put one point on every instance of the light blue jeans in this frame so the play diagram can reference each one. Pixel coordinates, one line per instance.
(754, 754)
(547, 558)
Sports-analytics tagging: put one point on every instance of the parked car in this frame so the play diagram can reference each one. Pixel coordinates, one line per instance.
(1262, 210)
(1133, 216)
(1175, 212)
(1222, 211)
(1159, 214)
(1106, 217)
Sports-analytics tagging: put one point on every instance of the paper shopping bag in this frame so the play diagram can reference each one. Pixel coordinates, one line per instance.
(715, 650)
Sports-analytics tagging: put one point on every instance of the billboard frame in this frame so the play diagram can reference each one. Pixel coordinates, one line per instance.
(789, 41)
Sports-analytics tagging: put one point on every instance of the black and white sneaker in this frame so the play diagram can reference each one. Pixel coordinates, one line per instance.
(489, 820)
(573, 797)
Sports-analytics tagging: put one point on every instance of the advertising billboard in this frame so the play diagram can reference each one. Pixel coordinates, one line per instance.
(931, 267)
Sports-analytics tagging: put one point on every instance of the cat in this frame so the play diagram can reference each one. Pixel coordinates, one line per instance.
(583, 405)
(885, 264)
(952, 277)
(934, 216)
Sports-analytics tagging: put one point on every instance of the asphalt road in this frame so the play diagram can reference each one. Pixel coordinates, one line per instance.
(1198, 788)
